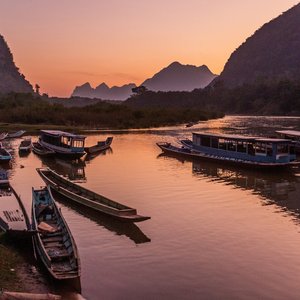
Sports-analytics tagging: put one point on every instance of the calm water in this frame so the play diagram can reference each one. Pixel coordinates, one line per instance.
(215, 232)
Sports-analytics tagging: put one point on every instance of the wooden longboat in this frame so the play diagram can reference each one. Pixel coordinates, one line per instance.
(101, 146)
(13, 215)
(3, 135)
(5, 156)
(53, 240)
(38, 149)
(183, 151)
(89, 198)
(15, 134)
(25, 145)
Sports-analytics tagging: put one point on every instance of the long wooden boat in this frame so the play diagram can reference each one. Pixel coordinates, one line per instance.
(13, 215)
(3, 135)
(38, 149)
(25, 145)
(243, 151)
(53, 241)
(101, 146)
(15, 134)
(89, 198)
(65, 144)
(5, 156)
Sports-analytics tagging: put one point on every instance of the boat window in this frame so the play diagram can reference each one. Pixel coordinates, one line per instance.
(260, 148)
(205, 141)
(282, 149)
(251, 149)
(292, 149)
(241, 146)
(65, 142)
(214, 142)
(269, 149)
(78, 143)
(222, 144)
(231, 145)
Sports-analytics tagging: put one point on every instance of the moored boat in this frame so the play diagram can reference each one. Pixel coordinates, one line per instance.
(25, 145)
(38, 149)
(3, 135)
(5, 156)
(53, 240)
(101, 146)
(89, 198)
(15, 134)
(13, 216)
(64, 144)
(293, 135)
(235, 149)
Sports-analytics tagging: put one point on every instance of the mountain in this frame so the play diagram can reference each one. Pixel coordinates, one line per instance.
(104, 92)
(272, 53)
(178, 77)
(11, 80)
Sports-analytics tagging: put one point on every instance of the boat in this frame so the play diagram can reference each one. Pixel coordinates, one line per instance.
(101, 146)
(5, 156)
(13, 216)
(236, 149)
(3, 135)
(28, 296)
(25, 145)
(89, 198)
(64, 144)
(38, 149)
(15, 134)
(53, 240)
(293, 135)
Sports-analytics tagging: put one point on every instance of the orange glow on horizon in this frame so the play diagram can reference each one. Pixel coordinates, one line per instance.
(60, 45)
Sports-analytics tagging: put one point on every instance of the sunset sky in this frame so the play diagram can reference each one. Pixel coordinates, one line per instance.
(61, 44)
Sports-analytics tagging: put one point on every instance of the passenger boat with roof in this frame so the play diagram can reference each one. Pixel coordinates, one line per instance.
(293, 135)
(53, 240)
(88, 198)
(63, 143)
(243, 150)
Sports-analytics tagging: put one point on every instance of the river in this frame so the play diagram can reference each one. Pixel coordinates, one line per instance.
(215, 232)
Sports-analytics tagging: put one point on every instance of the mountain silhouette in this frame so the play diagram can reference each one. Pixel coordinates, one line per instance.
(11, 80)
(271, 54)
(178, 77)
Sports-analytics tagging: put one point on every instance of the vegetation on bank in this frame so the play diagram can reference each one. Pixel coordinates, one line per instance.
(10, 261)
(30, 109)
(262, 98)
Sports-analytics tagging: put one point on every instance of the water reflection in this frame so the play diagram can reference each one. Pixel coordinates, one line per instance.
(130, 230)
(279, 188)
(90, 157)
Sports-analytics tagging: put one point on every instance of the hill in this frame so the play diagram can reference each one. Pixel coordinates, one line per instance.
(178, 77)
(11, 80)
(271, 54)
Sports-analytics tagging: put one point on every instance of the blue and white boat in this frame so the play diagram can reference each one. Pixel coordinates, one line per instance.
(236, 149)
(63, 143)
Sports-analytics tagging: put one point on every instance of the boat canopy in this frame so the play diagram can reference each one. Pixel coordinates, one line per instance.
(59, 133)
(292, 133)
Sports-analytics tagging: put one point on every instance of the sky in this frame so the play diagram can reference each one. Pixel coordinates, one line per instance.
(60, 44)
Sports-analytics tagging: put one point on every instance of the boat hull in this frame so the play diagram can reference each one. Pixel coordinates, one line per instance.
(125, 215)
(189, 153)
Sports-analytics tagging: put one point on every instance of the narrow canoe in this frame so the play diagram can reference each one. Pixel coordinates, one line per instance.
(25, 145)
(101, 146)
(5, 156)
(15, 134)
(53, 240)
(38, 149)
(89, 198)
(3, 135)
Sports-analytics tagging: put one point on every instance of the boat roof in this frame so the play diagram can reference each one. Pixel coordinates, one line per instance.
(242, 137)
(289, 132)
(58, 133)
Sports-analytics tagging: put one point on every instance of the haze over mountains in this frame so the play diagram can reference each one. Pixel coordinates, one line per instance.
(11, 80)
(272, 53)
(175, 77)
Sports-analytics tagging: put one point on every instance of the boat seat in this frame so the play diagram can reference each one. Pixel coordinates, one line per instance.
(52, 239)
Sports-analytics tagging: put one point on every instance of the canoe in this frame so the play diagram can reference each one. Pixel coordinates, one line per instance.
(89, 198)
(3, 135)
(15, 134)
(5, 156)
(13, 216)
(53, 241)
(101, 146)
(28, 296)
(38, 149)
(25, 145)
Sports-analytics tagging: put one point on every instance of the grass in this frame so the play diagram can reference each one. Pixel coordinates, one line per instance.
(10, 260)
